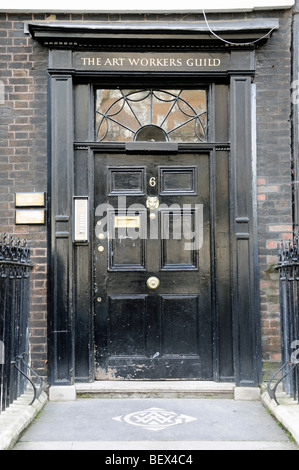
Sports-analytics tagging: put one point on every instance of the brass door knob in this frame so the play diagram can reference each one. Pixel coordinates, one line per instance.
(153, 283)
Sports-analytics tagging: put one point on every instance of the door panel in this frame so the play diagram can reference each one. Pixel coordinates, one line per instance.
(126, 181)
(177, 228)
(127, 324)
(178, 181)
(180, 319)
(153, 220)
(126, 251)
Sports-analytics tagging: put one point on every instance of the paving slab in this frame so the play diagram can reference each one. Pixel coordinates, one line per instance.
(122, 424)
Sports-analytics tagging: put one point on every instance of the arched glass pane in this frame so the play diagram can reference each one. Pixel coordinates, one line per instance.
(151, 115)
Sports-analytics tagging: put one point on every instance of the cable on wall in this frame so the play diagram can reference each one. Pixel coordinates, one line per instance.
(235, 43)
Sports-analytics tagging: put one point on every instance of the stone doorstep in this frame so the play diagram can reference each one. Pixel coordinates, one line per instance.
(165, 389)
(18, 417)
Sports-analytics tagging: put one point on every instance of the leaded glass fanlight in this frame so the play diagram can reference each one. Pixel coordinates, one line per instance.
(151, 115)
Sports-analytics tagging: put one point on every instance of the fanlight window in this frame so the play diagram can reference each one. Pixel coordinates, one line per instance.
(151, 115)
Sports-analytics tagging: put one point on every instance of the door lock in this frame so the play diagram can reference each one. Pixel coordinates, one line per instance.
(153, 283)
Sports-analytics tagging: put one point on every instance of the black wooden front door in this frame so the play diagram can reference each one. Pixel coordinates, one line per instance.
(153, 267)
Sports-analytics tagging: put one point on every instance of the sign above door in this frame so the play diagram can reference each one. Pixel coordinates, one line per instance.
(154, 61)
(167, 62)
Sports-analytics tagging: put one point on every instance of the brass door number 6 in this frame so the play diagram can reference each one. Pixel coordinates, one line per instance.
(153, 182)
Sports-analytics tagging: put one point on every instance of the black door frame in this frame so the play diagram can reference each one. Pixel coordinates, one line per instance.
(65, 333)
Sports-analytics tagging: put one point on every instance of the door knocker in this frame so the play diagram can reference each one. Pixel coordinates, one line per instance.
(152, 203)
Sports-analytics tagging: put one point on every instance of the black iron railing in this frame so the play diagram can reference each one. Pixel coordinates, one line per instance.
(15, 266)
(288, 266)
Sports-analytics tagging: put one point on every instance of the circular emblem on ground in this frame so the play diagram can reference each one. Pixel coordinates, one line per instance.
(155, 419)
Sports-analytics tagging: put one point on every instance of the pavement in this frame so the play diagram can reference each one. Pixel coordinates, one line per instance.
(155, 424)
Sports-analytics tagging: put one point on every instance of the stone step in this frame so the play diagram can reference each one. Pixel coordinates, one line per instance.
(165, 389)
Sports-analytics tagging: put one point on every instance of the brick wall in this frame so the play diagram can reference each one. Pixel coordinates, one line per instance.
(23, 156)
(273, 81)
